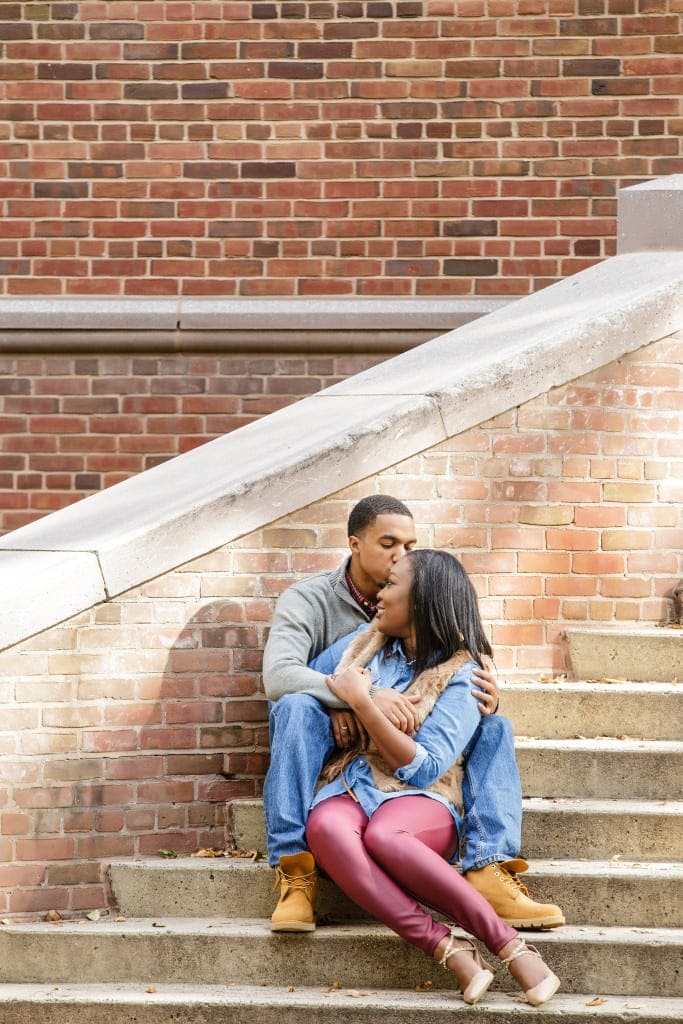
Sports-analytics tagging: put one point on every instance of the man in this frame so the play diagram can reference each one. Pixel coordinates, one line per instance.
(307, 723)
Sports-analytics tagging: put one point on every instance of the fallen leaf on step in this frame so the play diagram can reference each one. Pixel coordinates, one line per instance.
(357, 995)
(150, 990)
(167, 853)
(10, 920)
(94, 915)
(252, 855)
(623, 737)
(208, 852)
(54, 916)
(424, 986)
(290, 988)
(596, 1002)
(334, 987)
(613, 679)
(122, 918)
(157, 924)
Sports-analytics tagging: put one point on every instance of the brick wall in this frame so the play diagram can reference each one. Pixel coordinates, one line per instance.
(114, 726)
(308, 148)
(71, 425)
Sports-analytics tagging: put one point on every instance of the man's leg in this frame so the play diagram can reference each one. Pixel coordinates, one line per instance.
(301, 740)
(492, 797)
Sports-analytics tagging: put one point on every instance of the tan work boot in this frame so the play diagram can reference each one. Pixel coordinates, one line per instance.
(296, 877)
(499, 885)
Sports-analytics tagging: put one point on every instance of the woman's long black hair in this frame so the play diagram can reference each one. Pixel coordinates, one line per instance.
(443, 609)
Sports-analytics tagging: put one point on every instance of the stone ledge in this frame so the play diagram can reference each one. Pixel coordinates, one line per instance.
(195, 503)
(267, 325)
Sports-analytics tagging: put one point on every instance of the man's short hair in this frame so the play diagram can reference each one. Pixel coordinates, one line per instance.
(366, 511)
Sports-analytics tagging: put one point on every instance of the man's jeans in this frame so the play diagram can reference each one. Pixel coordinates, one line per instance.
(301, 741)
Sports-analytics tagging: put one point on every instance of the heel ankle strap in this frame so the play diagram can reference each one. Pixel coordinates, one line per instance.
(451, 949)
(520, 949)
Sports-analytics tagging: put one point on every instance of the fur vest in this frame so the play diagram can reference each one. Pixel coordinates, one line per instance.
(429, 685)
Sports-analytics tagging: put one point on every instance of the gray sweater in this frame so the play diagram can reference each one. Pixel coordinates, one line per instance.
(308, 617)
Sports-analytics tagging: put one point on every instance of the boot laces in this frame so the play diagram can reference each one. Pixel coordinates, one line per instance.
(511, 879)
(293, 881)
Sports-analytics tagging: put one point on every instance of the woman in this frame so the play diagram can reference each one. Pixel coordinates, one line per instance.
(384, 826)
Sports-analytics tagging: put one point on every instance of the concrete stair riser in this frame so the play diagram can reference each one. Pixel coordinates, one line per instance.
(560, 828)
(242, 1005)
(601, 769)
(595, 894)
(648, 653)
(610, 961)
(564, 710)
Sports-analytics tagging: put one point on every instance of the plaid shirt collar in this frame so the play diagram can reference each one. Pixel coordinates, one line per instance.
(368, 606)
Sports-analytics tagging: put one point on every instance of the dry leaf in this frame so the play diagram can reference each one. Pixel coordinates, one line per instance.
(53, 916)
(357, 995)
(94, 915)
(208, 852)
(290, 988)
(596, 1002)
(122, 918)
(334, 987)
(167, 853)
(424, 986)
(252, 855)
(150, 990)
(617, 856)
(157, 924)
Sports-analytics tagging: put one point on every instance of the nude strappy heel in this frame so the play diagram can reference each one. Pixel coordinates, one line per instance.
(546, 988)
(481, 981)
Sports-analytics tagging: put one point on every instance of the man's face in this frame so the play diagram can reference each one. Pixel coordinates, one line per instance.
(381, 545)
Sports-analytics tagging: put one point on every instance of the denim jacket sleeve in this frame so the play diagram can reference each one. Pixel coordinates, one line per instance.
(327, 661)
(445, 733)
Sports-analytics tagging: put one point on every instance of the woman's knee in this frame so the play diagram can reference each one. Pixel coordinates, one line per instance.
(381, 838)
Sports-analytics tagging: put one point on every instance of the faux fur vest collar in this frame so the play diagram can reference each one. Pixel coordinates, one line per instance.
(429, 685)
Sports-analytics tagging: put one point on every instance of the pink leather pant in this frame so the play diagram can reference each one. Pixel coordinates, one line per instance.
(388, 863)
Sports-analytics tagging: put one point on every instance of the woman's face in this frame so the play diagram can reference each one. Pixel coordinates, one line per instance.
(393, 609)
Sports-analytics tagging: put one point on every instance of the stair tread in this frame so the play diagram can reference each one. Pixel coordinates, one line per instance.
(554, 866)
(631, 745)
(538, 803)
(258, 927)
(593, 685)
(562, 1005)
(611, 806)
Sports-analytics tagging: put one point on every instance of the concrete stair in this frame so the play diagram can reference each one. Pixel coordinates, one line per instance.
(601, 771)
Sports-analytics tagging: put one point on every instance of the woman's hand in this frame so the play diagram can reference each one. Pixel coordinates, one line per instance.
(488, 692)
(352, 686)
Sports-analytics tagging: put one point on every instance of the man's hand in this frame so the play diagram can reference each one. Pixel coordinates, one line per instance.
(488, 692)
(347, 730)
(399, 708)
